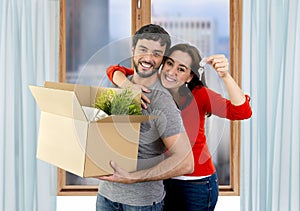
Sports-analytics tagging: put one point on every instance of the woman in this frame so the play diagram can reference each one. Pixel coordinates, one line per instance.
(182, 75)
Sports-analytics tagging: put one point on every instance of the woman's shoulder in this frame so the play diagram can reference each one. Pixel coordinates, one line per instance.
(200, 91)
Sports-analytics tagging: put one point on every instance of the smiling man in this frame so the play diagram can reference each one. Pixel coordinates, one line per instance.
(143, 189)
(148, 55)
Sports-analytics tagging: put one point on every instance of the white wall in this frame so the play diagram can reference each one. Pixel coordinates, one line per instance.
(87, 203)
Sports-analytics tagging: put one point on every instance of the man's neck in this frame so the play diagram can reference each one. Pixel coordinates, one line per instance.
(149, 81)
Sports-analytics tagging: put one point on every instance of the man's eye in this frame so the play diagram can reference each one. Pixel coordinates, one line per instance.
(157, 54)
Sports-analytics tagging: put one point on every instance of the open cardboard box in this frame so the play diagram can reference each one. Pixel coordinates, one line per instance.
(70, 139)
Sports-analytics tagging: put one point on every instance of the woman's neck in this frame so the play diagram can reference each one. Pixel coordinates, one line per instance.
(176, 95)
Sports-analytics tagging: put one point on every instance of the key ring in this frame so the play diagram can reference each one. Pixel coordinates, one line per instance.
(201, 68)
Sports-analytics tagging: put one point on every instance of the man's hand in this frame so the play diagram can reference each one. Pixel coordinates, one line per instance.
(119, 175)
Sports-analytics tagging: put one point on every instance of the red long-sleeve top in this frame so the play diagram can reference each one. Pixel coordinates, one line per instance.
(204, 101)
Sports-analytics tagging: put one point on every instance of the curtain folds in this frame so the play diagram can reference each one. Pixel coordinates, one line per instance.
(28, 55)
(270, 161)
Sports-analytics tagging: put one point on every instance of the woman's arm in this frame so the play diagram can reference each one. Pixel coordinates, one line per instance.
(220, 63)
(118, 75)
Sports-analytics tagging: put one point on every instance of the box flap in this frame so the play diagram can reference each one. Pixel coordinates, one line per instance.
(127, 118)
(62, 142)
(59, 102)
(83, 92)
(61, 86)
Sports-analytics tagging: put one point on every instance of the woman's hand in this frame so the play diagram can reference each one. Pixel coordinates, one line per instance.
(144, 99)
(220, 64)
(122, 81)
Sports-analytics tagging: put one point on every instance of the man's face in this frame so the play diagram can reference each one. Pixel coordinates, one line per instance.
(147, 57)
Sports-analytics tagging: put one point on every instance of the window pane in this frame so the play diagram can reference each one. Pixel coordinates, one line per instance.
(204, 24)
(94, 37)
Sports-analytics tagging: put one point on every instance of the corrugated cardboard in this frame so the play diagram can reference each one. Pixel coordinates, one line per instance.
(70, 140)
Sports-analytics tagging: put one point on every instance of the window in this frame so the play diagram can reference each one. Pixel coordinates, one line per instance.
(81, 45)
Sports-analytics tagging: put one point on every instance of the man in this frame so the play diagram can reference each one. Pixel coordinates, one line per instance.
(144, 189)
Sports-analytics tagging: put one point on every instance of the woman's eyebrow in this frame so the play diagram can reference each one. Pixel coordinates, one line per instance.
(182, 65)
(169, 58)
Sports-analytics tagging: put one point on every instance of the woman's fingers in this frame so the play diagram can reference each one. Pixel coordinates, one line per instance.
(220, 63)
(144, 101)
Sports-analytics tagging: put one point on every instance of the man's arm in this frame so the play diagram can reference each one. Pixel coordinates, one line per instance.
(180, 162)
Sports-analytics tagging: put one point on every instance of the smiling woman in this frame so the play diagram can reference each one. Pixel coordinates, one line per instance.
(181, 62)
(79, 42)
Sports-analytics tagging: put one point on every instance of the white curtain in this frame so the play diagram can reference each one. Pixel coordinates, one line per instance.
(270, 165)
(28, 55)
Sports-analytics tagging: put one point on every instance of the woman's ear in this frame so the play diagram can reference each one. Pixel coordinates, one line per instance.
(189, 78)
(159, 69)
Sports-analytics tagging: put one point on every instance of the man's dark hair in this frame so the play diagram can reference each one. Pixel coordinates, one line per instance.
(152, 32)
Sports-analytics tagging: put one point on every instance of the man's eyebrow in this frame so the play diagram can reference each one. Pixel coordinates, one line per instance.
(159, 51)
(142, 46)
(156, 51)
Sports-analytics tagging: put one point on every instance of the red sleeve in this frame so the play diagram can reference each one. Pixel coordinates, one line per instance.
(214, 103)
(111, 70)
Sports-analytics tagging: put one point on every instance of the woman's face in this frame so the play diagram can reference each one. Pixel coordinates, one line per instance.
(176, 70)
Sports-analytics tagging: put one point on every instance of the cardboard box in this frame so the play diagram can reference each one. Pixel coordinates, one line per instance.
(70, 139)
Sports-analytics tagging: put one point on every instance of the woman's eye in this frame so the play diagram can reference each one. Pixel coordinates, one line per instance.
(169, 63)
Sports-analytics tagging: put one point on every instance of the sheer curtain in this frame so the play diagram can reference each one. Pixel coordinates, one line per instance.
(270, 147)
(28, 55)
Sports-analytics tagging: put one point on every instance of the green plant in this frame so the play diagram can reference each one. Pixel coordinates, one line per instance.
(123, 103)
(103, 101)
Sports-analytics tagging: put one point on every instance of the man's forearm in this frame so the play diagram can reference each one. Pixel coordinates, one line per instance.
(180, 162)
(166, 169)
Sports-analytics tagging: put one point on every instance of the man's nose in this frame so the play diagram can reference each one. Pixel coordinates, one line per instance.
(149, 56)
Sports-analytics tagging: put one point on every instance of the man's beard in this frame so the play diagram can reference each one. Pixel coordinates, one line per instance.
(142, 74)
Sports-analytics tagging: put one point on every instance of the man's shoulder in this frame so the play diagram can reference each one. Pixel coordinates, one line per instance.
(159, 91)
(162, 100)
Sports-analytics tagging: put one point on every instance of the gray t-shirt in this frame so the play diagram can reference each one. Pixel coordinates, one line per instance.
(151, 149)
